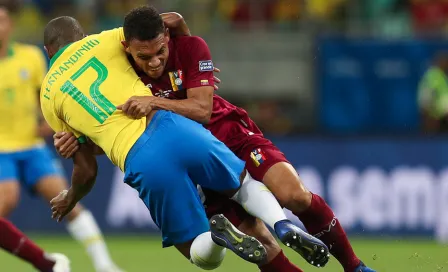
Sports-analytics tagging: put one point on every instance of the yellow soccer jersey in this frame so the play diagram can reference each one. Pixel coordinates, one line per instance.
(21, 75)
(85, 82)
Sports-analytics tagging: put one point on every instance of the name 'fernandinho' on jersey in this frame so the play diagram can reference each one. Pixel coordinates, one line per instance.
(86, 81)
(55, 72)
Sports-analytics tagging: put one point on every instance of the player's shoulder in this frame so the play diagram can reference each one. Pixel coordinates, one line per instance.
(190, 41)
(115, 33)
(27, 50)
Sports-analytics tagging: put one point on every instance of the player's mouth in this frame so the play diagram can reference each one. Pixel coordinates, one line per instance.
(155, 69)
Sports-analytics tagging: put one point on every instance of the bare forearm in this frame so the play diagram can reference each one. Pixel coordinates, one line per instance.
(190, 108)
(81, 183)
(84, 172)
(176, 23)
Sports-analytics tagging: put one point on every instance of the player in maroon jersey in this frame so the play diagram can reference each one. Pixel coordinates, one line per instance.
(171, 68)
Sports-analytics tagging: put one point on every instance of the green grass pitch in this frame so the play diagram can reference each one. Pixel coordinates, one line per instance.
(144, 253)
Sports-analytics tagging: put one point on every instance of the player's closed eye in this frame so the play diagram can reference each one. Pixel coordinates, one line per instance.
(146, 57)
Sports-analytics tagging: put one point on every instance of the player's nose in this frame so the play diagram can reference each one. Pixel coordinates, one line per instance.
(154, 63)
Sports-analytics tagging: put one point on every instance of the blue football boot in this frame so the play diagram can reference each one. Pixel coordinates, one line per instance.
(313, 250)
(227, 235)
(363, 268)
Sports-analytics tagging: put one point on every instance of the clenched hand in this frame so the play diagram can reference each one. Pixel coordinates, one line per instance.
(137, 106)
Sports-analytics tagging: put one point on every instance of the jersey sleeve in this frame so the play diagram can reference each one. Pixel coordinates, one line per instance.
(121, 33)
(197, 64)
(40, 67)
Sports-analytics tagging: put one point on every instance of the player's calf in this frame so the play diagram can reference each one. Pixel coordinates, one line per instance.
(255, 227)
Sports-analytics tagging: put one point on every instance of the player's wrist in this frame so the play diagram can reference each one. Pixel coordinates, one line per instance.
(71, 195)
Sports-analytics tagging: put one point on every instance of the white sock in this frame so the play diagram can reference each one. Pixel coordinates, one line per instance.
(205, 253)
(85, 230)
(257, 200)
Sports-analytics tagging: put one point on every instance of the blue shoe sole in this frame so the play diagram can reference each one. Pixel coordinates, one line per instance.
(245, 246)
(310, 248)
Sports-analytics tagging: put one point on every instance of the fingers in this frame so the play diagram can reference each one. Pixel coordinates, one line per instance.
(59, 206)
(59, 135)
(71, 150)
(67, 145)
(66, 142)
(216, 87)
(133, 108)
(216, 79)
(216, 70)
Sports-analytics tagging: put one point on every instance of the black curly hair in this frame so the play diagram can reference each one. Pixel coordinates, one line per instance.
(143, 23)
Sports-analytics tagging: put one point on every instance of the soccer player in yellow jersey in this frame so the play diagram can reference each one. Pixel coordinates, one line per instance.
(24, 158)
(163, 155)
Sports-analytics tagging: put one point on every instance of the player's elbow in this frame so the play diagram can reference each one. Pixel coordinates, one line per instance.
(204, 116)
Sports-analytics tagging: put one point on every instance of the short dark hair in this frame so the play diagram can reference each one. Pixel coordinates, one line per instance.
(62, 31)
(11, 6)
(143, 23)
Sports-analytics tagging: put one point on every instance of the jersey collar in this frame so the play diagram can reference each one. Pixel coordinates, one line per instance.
(53, 59)
(10, 51)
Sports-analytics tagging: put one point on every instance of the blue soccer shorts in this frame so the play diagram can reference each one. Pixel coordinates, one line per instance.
(29, 166)
(168, 161)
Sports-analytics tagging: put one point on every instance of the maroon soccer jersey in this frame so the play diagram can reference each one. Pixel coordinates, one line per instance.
(190, 66)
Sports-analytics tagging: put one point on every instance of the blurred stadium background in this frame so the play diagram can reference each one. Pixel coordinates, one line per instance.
(334, 83)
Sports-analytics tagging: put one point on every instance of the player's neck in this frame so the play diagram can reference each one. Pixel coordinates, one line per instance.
(4, 45)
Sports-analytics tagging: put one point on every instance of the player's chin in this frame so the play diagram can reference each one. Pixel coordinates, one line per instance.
(155, 73)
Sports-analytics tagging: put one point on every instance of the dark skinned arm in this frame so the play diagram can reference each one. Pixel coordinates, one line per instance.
(198, 105)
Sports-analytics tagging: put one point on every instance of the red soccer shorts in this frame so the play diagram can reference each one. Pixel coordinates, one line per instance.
(259, 154)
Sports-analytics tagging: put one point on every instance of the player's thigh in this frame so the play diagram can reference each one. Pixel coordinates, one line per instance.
(269, 165)
(218, 168)
(9, 184)
(210, 163)
(216, 203)
(171, 197)
(44, 176)
(39, 164)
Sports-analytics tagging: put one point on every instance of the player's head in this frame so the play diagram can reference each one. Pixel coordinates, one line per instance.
(7, 7)
(147, 39)
(60, 32)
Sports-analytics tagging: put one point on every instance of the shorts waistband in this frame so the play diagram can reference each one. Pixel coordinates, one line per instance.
(146, 136)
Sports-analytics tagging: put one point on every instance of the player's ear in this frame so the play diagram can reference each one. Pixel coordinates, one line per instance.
(48, 52)
(126, 46)
(167, 34)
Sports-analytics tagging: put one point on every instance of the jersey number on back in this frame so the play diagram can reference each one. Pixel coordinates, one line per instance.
(106, 108)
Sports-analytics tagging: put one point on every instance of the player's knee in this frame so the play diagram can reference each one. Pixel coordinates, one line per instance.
(9, 197)
(289, 189)
(299, 200)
